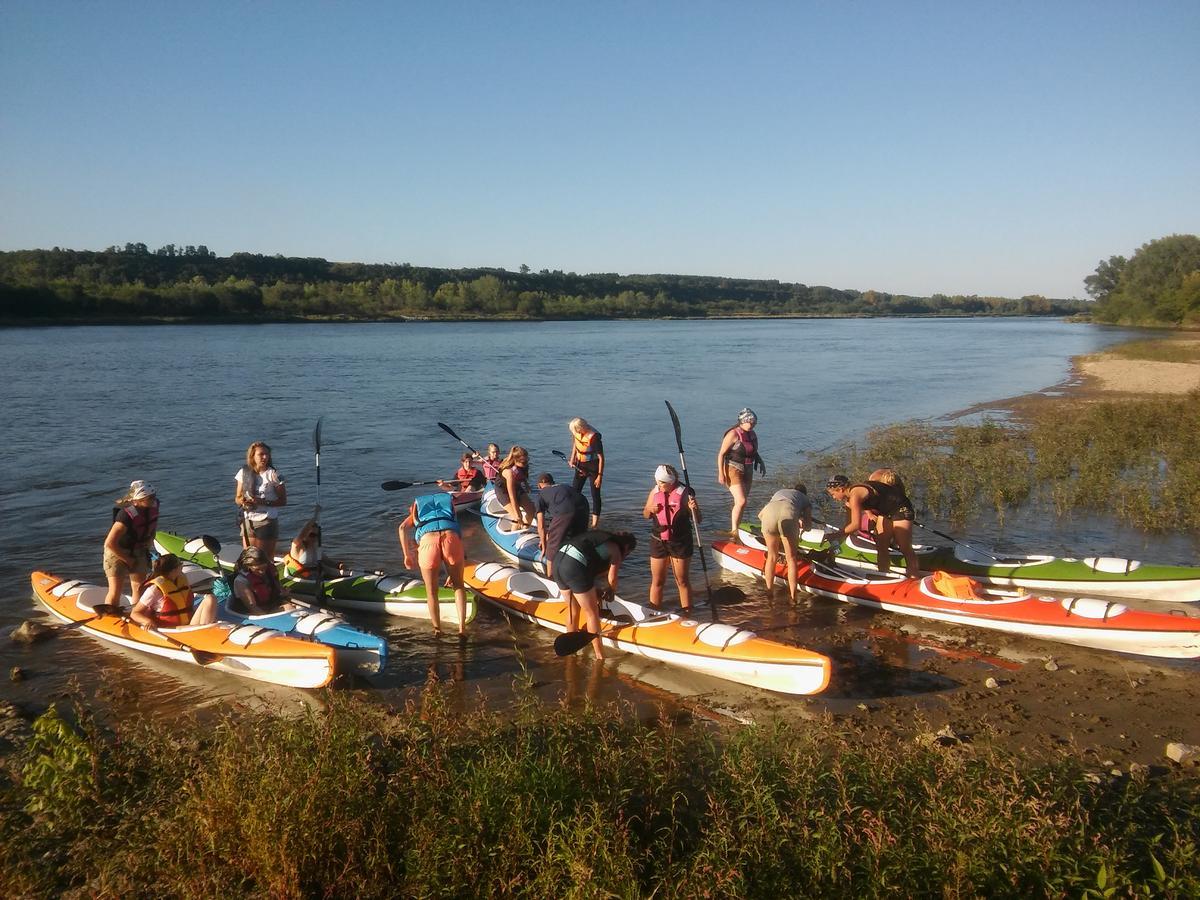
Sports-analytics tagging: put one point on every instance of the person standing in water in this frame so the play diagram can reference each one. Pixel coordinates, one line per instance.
(737, 459)
(587, 457)
(670, 507)
(787, 514)
(431, 535)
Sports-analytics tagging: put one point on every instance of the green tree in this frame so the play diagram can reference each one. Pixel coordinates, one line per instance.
(1159, 285)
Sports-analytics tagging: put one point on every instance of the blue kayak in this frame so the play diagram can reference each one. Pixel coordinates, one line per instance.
(521, 545)
(357, 651)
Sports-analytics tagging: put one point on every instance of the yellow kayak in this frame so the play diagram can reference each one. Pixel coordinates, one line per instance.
(713, 648)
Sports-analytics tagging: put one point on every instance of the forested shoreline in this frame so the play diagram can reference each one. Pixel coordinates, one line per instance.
(192, 283)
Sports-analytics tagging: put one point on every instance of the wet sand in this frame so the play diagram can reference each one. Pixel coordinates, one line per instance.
(1040, 700)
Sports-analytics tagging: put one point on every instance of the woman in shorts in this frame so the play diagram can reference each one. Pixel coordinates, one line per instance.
(430, 536)
(670, 507)
(577, 563)
(786, 515)
(127, 544)
(259, 494)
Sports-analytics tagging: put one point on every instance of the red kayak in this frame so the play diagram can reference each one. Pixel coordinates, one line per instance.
(1083, 621)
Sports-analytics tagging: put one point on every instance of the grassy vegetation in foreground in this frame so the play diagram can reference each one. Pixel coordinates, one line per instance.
(360, 801)
(1135, 459)
(1183, 351)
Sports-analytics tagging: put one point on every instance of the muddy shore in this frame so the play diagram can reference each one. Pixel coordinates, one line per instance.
(1041, 700)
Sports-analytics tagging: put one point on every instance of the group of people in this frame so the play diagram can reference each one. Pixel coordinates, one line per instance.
(161, 595)
(575, 549)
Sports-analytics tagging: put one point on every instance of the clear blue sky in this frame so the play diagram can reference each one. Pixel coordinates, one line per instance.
(956, 147)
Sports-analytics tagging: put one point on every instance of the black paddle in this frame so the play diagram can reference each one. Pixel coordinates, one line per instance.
(450, 431)
(402, 485)
(100, 609)
(319, 588)
(567, 460)
(695, 526)
(202, 657)
(942, 534)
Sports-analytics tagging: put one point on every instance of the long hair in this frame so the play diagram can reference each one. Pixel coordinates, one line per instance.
(250, 454)
(578, 426)
(164, 565)
(516, 456)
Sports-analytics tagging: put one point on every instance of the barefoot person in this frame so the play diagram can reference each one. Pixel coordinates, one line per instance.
(786, 515)
(737, 459)
(127, 544)
(587, 456)
(431, 535)
(166, 600)
(670, 507)
(576, 566)
(882, 495)
(259, 494)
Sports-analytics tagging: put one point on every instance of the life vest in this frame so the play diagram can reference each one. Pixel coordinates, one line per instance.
(666, 521)
(744, 450)
(434, 512)
(585, 548)
(264, 586)
(297, 569)
(176, 603)
(491, 469)
(143, 523)
(520, 482)
(587, 448)
(960, 587)
(882, 498)
(468, 479)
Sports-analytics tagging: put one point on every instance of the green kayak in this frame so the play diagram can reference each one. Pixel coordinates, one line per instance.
(402, 594)
(1095, 575)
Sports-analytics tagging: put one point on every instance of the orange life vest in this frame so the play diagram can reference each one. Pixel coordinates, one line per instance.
(586, 451)
(176, 603)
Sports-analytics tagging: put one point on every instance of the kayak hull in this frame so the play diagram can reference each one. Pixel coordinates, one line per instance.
(716, 649)
(245, 650)
(1095, 622)
(521, 545)
(1097, 576)
(358, 651)
(401, 594)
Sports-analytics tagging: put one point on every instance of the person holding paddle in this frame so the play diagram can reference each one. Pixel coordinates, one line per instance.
(669, 506)
(166, 601)
(737, 459)
(491, 462)
(577, 564)
(431, 534)
(259, 493)
(587, 458)
(467, 478)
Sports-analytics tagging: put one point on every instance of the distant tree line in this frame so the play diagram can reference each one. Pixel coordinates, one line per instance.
(1158, 285)
(192, 282)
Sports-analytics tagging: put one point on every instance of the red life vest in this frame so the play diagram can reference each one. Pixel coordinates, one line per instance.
(176, 601)
(666, 520)
(491, 469)
(264, 586)
(143, 523)
(744, 450)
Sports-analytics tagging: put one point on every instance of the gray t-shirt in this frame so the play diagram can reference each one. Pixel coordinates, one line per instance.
(797, 501)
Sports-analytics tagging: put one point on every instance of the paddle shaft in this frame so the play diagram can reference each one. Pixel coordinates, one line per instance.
(942, 534)
(319, 589)
(402, 485)
(712, 606)
(450, 431)
(567, 460)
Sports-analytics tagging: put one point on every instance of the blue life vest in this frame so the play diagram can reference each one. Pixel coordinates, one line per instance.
(434, 512)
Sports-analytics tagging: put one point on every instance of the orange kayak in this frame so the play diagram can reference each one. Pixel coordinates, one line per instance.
(714, 648)
(246, 650)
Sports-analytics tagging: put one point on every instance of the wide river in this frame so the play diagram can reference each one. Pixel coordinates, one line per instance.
(88, 409)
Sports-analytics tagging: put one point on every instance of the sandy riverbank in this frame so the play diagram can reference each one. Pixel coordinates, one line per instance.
(1036, 699)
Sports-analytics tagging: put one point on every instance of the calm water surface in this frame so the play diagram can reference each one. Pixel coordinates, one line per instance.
(89, 409)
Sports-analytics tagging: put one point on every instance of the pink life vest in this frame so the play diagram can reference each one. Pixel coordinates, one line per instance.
(665, 519)
(143, 523)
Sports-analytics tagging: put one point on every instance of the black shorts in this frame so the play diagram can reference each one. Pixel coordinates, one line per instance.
(572, 575)
(660, 549)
